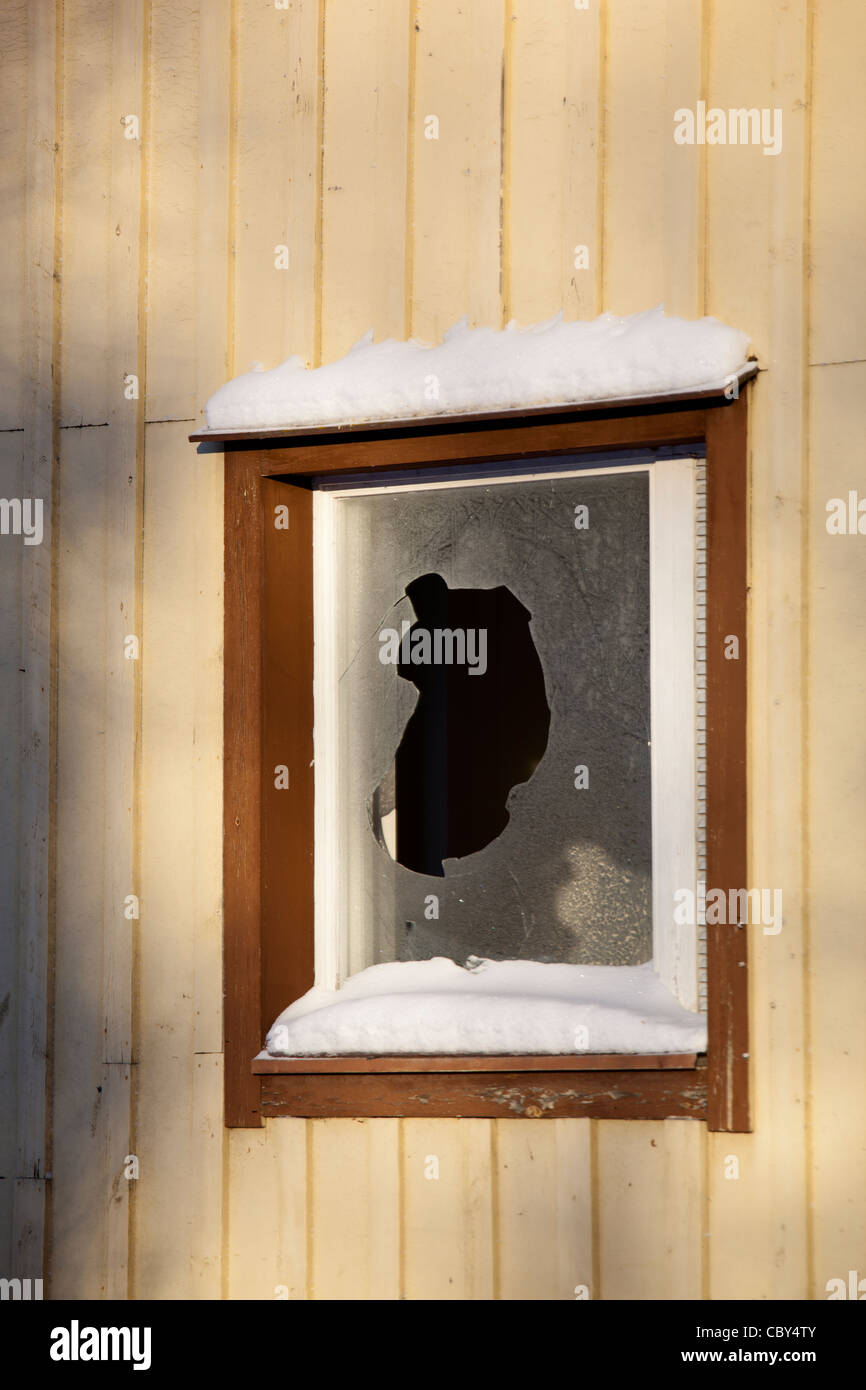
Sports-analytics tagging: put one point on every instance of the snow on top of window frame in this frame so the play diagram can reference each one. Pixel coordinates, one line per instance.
(476, 370)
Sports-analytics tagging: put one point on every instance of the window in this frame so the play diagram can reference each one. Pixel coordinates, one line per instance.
(286, 798)
(507, 812)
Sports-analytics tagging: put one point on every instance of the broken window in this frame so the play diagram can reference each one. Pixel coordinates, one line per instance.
(483, 730)
(478, 729)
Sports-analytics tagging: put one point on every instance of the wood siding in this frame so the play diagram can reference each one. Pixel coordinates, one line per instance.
(304, 126)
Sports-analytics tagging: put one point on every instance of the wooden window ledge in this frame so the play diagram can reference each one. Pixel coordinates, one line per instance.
(610, 1086)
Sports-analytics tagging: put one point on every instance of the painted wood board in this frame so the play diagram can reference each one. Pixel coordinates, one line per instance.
(837, 196)
(265, 1231)
(275, 185)
(355, 1209)
(756, 268)
(13, 154)
(456, 208)
(214, 327)
(366, 77)
(448, 1210)
(91, 119)
(551, 166)
(170, 127)
(836, 1039)
(651, 187)
(178, 1138)
(35, 780)
(649, 1210)
(12, 1075)
(80, 1084)
(543, 1210)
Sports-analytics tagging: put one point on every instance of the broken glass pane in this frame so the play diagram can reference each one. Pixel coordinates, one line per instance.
(480, 725)
(551, 860)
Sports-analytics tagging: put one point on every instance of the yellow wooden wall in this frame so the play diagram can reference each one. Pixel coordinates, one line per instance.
(303, 124)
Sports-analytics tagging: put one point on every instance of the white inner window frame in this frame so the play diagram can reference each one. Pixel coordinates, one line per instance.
(677, 691)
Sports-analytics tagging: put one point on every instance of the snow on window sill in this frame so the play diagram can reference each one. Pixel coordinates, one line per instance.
(506, 1009)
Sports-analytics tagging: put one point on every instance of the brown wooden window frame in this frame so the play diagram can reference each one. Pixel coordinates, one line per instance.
(268, 720)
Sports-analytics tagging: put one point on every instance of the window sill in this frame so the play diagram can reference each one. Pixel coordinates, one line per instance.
(626, 1086)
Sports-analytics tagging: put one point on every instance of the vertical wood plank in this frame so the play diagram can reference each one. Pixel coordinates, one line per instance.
(637, 129)
(104, 222)
(179, 1001)
(90, 122)
(171, 131)
(212, 203)
(650, 1210)
(741, 181)
(355, 1215)
(13, 388)
(117, 1150)
(206, 1176)
(28, 1219)
(179, 1135)
(212, 335)
(123, 524)
(837, 961)
(87, 1176)
(552, 163)
(456, 232)
(277, 183)
(448, 1219)
(683, 190)
(91, 1073)
(13, 154)
(756, 269)
(79, 1083)
(11, 613)
(837, 281)
(651, 184)
(364, 171)
(266, 1233)
(544, 1226)
(35, 784)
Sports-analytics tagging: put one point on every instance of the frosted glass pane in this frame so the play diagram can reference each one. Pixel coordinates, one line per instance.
(568, 878)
